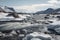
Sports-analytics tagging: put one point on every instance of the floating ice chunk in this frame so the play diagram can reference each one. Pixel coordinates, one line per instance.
(35, 39)
(38, 36)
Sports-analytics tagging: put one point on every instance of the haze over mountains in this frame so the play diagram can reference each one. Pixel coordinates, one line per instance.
(47, 11)
(7, 9)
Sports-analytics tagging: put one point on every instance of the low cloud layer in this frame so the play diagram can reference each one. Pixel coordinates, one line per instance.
(38, 7)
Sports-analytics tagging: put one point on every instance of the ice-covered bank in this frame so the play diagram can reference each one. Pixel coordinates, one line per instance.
(37, 36)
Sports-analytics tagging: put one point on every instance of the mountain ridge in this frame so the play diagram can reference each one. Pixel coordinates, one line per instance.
(49, 11)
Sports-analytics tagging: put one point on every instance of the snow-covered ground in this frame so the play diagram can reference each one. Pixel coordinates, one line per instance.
(18, 25)
(55, 21)
(40, 36)
(3, 17)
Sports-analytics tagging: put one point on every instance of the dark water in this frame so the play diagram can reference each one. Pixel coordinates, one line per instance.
(6, 28)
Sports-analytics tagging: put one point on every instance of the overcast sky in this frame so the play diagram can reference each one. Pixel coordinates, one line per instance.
(30, 5)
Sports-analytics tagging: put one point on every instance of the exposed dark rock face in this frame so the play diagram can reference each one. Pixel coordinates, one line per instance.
(54, 29)
(49, 11)
(1, 10)
(7, 31)
(15, 15)
(10, 8)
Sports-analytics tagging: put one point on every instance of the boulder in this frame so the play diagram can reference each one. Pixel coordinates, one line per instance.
(54, 29)
(37, 36)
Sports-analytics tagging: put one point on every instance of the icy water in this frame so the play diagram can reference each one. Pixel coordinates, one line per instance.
(17, 25)
(30, 28)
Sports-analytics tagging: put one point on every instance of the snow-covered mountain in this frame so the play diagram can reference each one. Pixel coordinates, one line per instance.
(1, 9)
(3, 17)
(9, 9)
(49, 11)
(6, 17)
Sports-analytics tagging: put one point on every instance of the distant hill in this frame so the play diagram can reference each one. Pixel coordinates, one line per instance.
(49, 11)
(7, 9)
(1, 9)
(12, 10)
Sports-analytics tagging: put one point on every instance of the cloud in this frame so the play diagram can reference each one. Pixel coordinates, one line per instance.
(53, 1)
(32, 8)
(25, 8)
(37, 7)
(56, 3)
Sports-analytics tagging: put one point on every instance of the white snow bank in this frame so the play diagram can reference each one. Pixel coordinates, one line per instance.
(40, 34)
